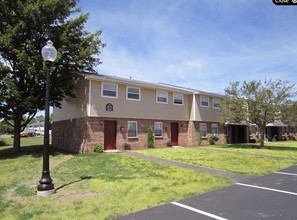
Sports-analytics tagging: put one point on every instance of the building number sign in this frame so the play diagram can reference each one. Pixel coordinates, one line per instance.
(109, 107)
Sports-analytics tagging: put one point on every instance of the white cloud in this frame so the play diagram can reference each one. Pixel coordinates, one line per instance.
(201, 44)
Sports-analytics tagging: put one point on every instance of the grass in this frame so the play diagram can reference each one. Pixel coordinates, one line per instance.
(94, 186)
(226, 161)
(287, 149)
(24, 142)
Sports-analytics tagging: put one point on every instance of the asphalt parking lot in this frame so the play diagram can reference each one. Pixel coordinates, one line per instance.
(273, 196)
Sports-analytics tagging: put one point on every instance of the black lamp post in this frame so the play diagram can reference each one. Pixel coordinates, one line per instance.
(46, 187)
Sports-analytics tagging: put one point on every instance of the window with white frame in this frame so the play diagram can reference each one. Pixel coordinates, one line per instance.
(109, 90)
(158, 129)
(162, 97)
(215, 102)
(133, 93)
(132, 129)
(202, 129)
(204, 101)
(214, 129)
(178, 99)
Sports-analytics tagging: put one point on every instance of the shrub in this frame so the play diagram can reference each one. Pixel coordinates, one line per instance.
(150, 138)
(213, 138)
(169, 144)
(127, 146)
(99, 148)
(253, 140)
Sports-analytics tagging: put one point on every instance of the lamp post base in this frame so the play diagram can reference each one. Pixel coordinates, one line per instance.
(46, 192)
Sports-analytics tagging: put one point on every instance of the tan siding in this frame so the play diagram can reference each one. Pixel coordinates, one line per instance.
(147, 108)
(74, 107)
(206, 113)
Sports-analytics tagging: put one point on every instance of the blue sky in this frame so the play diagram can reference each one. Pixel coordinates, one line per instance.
(201, 44)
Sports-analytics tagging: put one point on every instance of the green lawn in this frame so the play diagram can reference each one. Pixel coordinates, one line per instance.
(96, 186)
(227, 161)
(29, 141)
(281, 149)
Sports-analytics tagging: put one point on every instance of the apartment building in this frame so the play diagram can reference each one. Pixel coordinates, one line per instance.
(117, 112)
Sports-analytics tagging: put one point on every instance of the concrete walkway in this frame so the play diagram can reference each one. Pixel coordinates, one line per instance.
(235, 177)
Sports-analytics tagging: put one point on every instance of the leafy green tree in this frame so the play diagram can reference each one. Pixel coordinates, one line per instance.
(5, 128)
(26, 26)
(289, 112)
(255, 102)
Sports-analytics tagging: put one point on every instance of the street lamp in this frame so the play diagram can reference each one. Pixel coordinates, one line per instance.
(46, 187)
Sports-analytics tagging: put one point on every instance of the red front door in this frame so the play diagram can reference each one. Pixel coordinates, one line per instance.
(110, 135)
(174, 134)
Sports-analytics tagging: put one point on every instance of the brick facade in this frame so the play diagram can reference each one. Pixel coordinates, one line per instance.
(83, 134)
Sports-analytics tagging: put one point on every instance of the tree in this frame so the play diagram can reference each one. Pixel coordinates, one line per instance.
(255, 102)
(26, 26)
(5, 128)
(289, 112)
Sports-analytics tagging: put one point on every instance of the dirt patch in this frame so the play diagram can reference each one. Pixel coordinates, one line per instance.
(74, 195)
(65, 193)
(62, 196)
(60, 161)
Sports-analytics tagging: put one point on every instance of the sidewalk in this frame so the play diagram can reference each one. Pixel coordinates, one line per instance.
(235, 177)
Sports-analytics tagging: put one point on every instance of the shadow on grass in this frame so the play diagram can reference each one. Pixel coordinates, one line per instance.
(82, 178)
(34, 151)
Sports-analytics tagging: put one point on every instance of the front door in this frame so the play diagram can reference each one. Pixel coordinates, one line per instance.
(174, 134)
(110, 135)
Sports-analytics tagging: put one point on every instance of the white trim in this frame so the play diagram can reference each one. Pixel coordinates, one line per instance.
(89, 99)
(265, 188)
(198, 211)
(157, 91)
(179, 94)
(201, 101)
(131, 87)
(112, 84)
(162, 129)
(194, 106)
(214, 98)
(128, 129)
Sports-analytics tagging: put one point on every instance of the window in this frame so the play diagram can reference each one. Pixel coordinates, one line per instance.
(202, 129)
(162, 97)
(109, 90)
(133, 93)
(204, 101)
(158, 129)
(214, 129)
(132, 129)
(178, 99)
(215, 102)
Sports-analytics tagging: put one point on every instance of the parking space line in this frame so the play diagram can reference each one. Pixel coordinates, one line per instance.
(198, 211)
(269, 189)
(291, 174)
